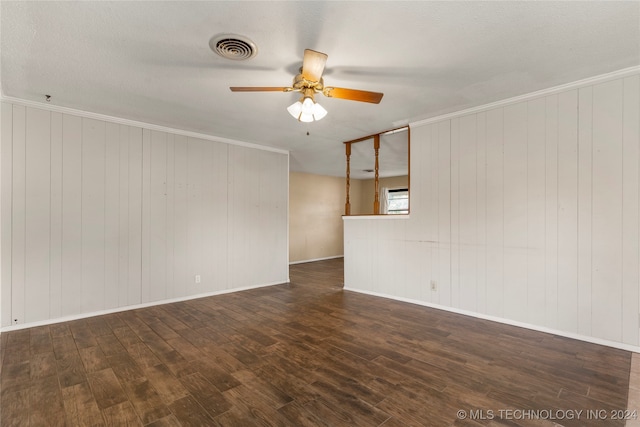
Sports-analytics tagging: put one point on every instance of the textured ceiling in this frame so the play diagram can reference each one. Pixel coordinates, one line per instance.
(150, 61)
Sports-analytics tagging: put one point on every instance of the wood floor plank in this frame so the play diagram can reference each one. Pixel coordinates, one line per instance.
(277, 374)
(221, 379)
(109, 344)
(82, 334)
(335, 415)
(15, 408)
(162, 329)
(99, 325)
(126, 336)
(3, 349)
(121, 414)
(238, 417)
(93, 359)
(257, 409)
(363, 414)
(45, 402)
(40, 340)
(189, 413)
(18, 347)
(42, 365)
(256, 384)
(125, 367)
(434, 378)
(59, 329)
(106, 388)
(206, 394)
(64, 344)
(143, 355)
(304, 353)
(81, 408)
(187, 350)
(245, 356)
(146, 402)
(168, 421)
(114, 321)
(15, 376)
(298, 415)
(70, 370)
(350, 385)
(166, 384)
(220, 358)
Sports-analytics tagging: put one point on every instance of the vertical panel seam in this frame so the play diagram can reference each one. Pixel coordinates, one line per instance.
(82, 123)
(129, 162)
(503, 215)
(557, 207)
(142, 195)
(527, 211)
(622, 216)
(60, 212)
(436, 144)
(10, 215)
(579, 225)
(450, 213)
(50, 208)
(104, 222)
(24, 228)
(119, 210)
(544, 244)
(591, 220)
(13, 140)
(486, 212)
(475, 196)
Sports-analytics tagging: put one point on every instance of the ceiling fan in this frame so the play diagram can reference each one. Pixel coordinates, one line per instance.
(309, 82)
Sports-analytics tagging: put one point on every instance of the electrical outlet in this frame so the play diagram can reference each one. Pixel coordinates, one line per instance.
(198, 278)
(434, 285)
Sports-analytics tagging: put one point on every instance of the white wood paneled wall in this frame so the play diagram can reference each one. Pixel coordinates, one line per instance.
(527, 212)
(98, 215)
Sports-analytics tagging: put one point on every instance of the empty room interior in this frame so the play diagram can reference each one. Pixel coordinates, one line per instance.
(320, 213)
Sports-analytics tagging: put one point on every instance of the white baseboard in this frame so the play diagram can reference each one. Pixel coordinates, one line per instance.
(593, 340)
(131, 307)
(315, 259)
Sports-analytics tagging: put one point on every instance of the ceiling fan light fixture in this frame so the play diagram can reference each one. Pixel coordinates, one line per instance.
(307, 105)
(309, 82)
(318, 111)
(295, 109)
(306, 117)
(307, 110)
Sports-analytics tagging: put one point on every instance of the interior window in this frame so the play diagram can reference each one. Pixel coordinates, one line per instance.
(397, 201)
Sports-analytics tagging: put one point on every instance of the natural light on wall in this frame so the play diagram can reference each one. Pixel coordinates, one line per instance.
(395, 201)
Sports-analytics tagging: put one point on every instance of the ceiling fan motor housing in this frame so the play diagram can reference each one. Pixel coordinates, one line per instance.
(300, 83)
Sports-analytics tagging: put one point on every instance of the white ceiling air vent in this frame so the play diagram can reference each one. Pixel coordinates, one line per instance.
(232, 46)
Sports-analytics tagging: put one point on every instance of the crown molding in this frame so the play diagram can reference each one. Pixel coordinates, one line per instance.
(134, 123)
(625, 72)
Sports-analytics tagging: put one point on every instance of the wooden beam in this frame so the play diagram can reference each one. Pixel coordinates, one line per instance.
(376, 197)
(347, 205)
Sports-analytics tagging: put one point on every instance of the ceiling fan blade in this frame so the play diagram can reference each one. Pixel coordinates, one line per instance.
(313, 65)
(353, 94)
(260, 89)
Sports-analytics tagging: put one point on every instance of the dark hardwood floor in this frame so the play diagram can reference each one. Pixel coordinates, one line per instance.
(305, 353)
